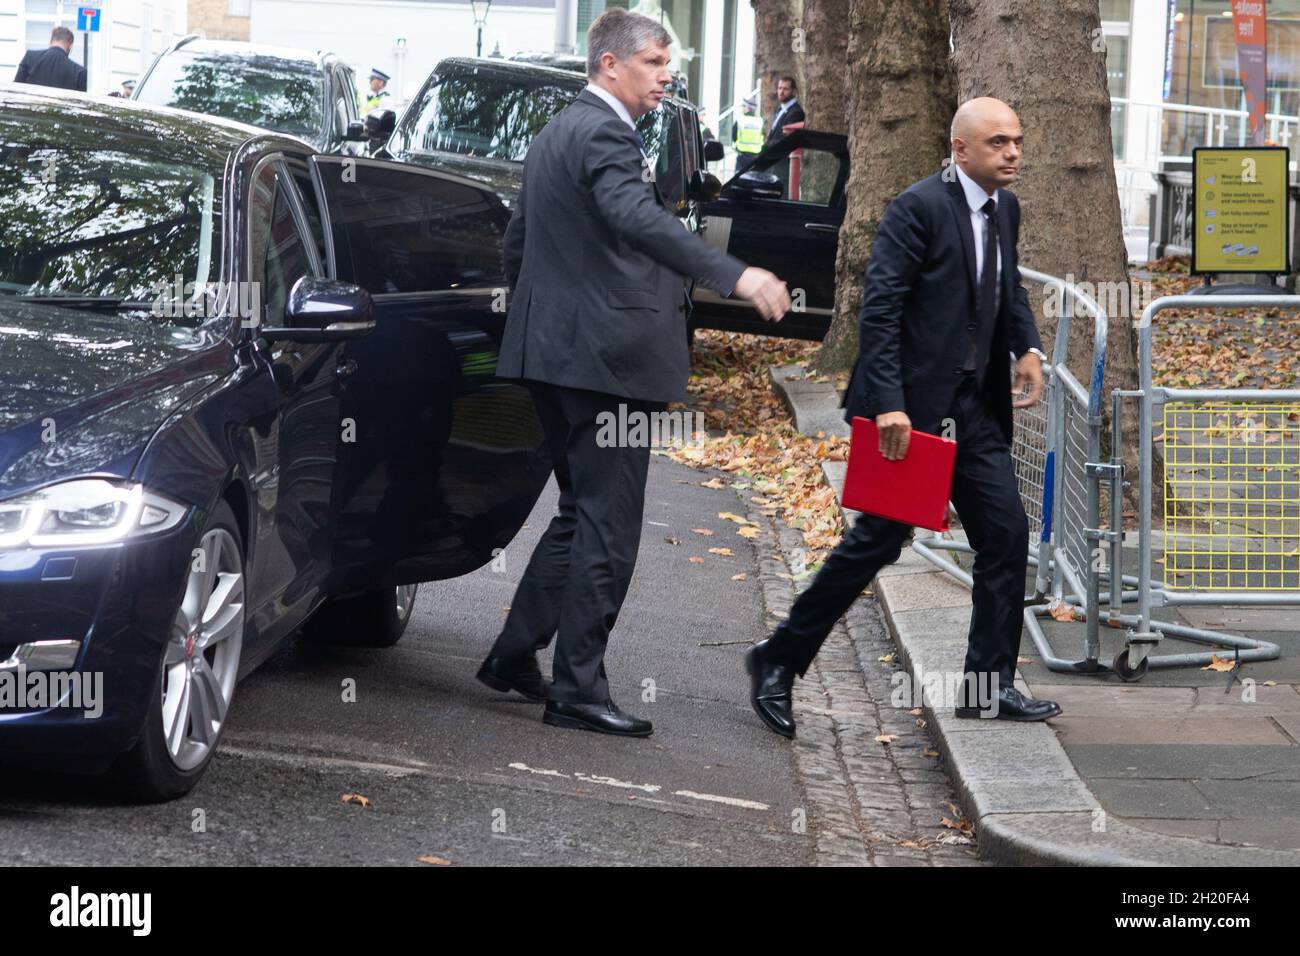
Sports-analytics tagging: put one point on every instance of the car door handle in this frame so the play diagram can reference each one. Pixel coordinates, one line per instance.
(821, 227)
(345, 369)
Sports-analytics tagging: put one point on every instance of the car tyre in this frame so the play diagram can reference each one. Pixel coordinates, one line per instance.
(374, 618)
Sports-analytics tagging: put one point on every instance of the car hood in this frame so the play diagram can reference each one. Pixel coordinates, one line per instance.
(504, 176)
(82, 392)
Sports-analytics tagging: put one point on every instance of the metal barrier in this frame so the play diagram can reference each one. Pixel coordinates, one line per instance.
(1060, 471)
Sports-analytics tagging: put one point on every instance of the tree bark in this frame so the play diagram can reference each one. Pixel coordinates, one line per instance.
(824, 93)
(901, 101)
(1047, 60)
(775, 22)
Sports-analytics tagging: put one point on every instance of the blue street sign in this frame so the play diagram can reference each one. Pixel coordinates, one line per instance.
(88, 19)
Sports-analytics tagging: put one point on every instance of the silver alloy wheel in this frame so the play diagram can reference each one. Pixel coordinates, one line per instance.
(405, 600)
(201, 661)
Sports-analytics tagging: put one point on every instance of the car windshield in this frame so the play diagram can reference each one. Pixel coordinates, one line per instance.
(477, 113)
(272, 92)
(86, 214)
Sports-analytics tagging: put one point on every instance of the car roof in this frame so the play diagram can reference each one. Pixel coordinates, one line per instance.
(240, 48)
(192, 134)
(485, 64)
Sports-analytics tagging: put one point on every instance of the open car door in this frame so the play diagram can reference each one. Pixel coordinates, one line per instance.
(782, 213)
(444, 461)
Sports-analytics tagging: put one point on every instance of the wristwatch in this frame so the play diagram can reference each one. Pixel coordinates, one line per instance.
(1039, 352)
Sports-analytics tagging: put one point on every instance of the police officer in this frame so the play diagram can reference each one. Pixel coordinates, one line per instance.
(379, 96)
(747, 133)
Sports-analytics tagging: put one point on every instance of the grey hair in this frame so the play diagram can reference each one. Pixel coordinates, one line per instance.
(622, 33)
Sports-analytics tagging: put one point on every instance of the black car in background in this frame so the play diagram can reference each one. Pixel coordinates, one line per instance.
(305, 93)
(245, 387)
(478, 116)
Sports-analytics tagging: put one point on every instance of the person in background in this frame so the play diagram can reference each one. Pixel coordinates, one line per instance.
(379, 95)
(747, 134)
(52, 66)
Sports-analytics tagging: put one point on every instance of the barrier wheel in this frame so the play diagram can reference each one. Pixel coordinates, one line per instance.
(1126, 673)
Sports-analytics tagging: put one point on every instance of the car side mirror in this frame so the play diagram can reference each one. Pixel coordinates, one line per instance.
(756, 186)
(356, 131)
(380, 123)
(713, 151)
(323, 310)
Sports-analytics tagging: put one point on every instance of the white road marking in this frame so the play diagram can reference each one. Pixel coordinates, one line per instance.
(643, 787)
(729, 801)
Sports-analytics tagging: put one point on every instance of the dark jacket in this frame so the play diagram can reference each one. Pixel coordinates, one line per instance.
(598, 265)
(51, 67)
(918, 305)
(793, 115)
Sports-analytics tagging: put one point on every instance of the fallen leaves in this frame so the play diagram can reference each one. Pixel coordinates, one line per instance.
(728, 516)
(356, 798)
(1060, 611)
(1220, 664)
(724, 552)
(434, 860)
(696, 559)
(886, 739)
(740, 577)
(704, 531)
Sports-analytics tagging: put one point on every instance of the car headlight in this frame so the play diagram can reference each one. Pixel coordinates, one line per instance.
(87, 511)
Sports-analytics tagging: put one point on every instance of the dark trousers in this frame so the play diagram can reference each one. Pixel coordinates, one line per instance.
(579, 573)
(985, 494)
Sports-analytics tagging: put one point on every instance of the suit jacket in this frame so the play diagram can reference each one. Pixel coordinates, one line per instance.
(51, 67)
(917, 319)
(598, 266)
(793, 115)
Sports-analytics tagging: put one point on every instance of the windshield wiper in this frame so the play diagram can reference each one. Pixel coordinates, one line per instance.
(104, 303)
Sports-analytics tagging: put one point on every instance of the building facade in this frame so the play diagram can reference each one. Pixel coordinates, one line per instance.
(131, 33)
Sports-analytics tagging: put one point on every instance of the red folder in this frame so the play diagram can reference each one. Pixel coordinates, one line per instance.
(913, 491)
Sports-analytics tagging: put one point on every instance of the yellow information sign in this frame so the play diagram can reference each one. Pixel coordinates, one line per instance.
(1242, 217)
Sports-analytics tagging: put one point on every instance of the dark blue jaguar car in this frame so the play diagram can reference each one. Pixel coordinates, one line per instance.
(245, 389)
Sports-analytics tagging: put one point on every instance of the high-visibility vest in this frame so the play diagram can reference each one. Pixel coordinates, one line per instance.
(749, 134)
(374, 100)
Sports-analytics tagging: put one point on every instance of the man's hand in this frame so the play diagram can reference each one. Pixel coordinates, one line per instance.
(1029, 371)
(895, 430)
(768, 293)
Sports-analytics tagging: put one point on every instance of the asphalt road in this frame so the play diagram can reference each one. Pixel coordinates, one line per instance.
(455, 771)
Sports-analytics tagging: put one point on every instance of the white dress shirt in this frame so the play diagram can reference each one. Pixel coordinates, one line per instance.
(976, 197)
(776, 120)
(615, 103)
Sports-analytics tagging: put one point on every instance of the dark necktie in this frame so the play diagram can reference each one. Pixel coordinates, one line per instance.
(987, 304)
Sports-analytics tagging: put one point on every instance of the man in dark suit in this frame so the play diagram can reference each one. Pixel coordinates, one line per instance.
(790, 111)
(52, 66)
(598, 328)
(942, 307)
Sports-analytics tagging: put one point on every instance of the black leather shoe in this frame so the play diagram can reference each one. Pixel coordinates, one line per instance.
(1013, 705)
(604, 718)
(770, 686)
(521, 675)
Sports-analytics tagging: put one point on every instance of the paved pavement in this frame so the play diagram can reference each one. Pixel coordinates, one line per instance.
(1180, 768)
(454, 771)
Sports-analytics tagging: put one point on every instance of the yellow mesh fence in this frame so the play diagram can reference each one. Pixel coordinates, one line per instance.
(1232, 496)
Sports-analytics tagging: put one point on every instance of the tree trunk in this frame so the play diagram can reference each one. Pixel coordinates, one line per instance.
(824, 93)
(775, 22)
(901, 101)
(1047, 60)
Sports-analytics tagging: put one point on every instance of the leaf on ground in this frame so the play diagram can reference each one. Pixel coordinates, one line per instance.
(713, 483)
(747, 532)
(1270, 683)
(674, 541)
(930, 753)
(740, 577)
(704, 531)
(356, 798)
(886, 738)
(434, 860)
(728, 516)
(962, 824)
(886, 658)
(1023, 660)
(696, 560)
(725, 552)
(955, 839)
(1218, 663)
(916, 712)
(1061, 611)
